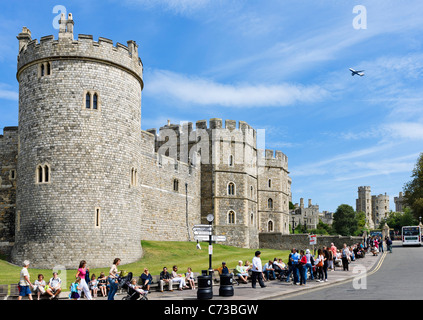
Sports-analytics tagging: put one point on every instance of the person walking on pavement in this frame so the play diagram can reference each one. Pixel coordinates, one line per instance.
(82, 270)
(257, 271)
(113, 279)
(345, 255)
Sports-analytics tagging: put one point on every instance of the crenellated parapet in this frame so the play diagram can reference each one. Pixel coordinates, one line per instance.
(65, 47)
(273, 159)
(9, 132)
(231, 130)
(183, 140)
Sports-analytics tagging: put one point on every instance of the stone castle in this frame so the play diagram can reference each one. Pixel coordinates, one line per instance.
(376, 208)
(309, 216)
(80, 180)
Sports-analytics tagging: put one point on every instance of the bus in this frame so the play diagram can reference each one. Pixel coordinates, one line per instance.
(411, 236)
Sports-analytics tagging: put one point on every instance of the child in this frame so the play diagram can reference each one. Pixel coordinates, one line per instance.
(190, 278)
(102, 284)
(75, 287)
(136, 287)
(39, 286)
(93, 285)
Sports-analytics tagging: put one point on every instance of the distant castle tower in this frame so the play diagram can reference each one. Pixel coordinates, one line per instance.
(364, 204)
(79, 141)
(376, 208)
(399, 203)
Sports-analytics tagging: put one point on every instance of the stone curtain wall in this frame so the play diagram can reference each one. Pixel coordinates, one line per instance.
(8, 182)
(279, 241)
(164, 212)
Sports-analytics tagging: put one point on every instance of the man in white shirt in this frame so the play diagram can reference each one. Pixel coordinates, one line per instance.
(257, 271)
(54, 286)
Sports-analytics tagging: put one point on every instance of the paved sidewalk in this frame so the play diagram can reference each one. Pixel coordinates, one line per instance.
(275, 289)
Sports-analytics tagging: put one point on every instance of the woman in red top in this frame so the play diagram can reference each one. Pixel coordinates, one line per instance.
(82, 270)
(303, 269)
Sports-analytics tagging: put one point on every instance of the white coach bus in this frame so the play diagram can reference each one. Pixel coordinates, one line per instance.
(411, 236)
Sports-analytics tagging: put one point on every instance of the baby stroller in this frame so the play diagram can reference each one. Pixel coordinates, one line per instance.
(132, 294)
(283, 274)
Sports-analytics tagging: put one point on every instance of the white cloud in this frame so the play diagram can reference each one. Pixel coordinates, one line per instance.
(406, 130)
(200, 91)
(6, 93)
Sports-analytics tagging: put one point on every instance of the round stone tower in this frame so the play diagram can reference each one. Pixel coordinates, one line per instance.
(79, 150)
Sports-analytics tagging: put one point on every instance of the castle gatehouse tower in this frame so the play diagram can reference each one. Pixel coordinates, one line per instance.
(79, 150)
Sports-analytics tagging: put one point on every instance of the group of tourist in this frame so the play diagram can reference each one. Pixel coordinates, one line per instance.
(302, 265)
(83, 285)
(184, 281)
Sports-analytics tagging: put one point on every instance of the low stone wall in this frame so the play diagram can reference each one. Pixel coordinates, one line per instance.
(280, 241)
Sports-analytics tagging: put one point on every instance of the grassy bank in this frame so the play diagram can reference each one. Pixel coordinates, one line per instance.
(157, 254)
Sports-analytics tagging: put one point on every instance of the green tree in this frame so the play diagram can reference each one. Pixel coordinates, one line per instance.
(397, 220)
(413, 190)
(360, 221)
(344, 220)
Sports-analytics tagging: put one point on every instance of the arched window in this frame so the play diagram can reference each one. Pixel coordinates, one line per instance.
(42, 174)
(175, 185)
(48, 68)
(270, 203)
(39, 174)
(231, 189)
(46, 173)
(231, 217)
(88, 100)
(42, 70)
(269, 183)
(95, 101)
(270, 226)
(252, 219)
(134, 177)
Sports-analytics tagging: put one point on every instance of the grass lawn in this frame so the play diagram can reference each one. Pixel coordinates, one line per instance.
(157, 254)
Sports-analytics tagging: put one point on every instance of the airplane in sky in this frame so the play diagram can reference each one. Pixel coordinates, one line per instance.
(359, 73)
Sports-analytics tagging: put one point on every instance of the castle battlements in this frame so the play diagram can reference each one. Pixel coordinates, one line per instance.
(273, 158)
(241, 133)
(8, 132)
(84, 48)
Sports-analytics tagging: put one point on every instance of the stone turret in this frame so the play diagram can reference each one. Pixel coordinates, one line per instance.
(80, 150)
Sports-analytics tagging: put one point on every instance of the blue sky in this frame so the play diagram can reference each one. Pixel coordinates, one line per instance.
(281, 66)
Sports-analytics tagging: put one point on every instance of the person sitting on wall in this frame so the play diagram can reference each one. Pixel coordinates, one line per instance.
(165, 278)
(146, 280)
(269, 271)
(242, 272)
(223, 269)
(178, 278)
(54, 286)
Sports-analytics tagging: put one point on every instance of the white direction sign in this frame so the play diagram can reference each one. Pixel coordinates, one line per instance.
(202, 233)
(201, 238)
(219, 238)
(206, 238)
(202, 228)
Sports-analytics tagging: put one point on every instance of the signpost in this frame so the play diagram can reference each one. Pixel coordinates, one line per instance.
(204, 232)
(313, 241)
